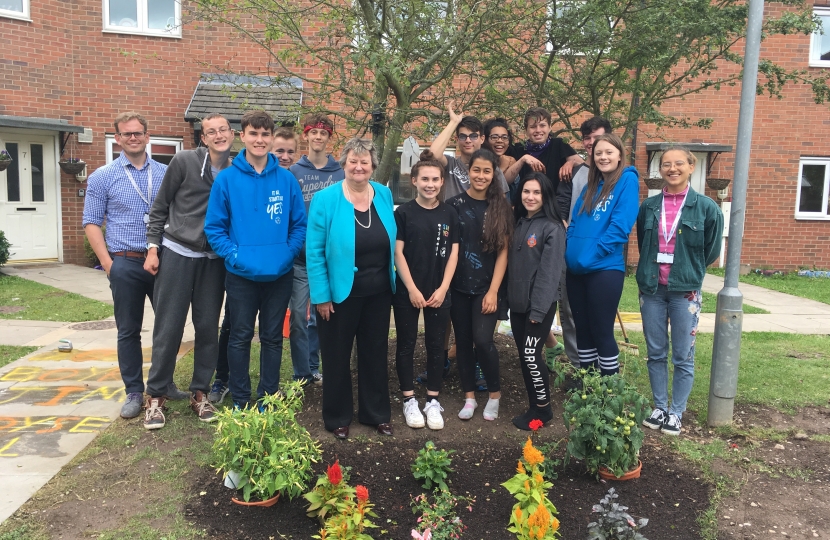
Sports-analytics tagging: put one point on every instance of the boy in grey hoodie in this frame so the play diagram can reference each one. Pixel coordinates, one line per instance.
(314, 172)
(187, 271)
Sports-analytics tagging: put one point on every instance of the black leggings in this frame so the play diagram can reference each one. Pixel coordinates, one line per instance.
(530, 342)
(472, 328)
(594, 300)
(406, 327)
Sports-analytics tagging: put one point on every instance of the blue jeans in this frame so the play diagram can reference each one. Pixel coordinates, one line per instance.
(246, 298)
(682, 308)
(304, 342)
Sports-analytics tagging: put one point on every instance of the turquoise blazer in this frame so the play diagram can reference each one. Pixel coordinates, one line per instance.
(330, 242)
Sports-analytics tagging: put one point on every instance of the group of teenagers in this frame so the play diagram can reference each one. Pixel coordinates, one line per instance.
(500, 230)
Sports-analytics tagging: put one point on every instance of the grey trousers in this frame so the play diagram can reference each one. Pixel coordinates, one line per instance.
(180, 283)
(566, 317)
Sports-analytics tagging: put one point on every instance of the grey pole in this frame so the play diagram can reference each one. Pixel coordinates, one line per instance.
(723, 384)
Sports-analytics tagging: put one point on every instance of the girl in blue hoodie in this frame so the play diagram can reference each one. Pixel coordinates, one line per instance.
(602, 220)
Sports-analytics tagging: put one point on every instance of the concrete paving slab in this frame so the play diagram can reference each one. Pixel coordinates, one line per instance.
(25, 485)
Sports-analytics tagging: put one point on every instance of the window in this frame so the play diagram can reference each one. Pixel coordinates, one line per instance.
(15, 9)
(160, 149)
(820, 42)
(813, 182)
(152, 17)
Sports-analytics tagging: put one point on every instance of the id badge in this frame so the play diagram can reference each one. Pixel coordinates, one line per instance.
(665, 258)
(146, 219)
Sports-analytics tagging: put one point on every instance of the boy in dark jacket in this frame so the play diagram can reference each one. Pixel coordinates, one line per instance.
(256, 221)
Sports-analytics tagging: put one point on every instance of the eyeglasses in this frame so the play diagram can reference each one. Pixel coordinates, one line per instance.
(222, 131)
(497, 138)
(667, 165)
(464, 136)
(130, 134)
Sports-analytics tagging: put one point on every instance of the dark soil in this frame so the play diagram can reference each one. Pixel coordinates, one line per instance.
(670, 492)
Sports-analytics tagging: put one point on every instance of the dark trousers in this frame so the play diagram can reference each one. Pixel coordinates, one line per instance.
(130, 285)
(594, 300)
(183, 282)
(246, 299)
(530, 343)
(472, 328)
(406, 328)
(222, 369)
(367, 319)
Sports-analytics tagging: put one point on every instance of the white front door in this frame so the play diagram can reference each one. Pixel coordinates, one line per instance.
(28, 205)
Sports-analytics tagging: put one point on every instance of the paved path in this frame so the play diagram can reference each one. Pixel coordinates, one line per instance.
(53, 404)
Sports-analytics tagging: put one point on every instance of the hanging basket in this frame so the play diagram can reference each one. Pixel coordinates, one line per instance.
(5, 164)
(654, 182)
(72, 167)
(718, 183)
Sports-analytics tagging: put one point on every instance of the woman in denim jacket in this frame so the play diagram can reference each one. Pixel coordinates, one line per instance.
(679, 235)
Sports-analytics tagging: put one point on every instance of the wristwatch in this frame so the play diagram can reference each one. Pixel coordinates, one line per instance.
(150, 245)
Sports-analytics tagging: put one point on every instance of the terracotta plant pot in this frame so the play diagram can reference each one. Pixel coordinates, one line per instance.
(630, 475)
(268, 502)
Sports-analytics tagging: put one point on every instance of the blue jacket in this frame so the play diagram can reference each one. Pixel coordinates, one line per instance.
(256, 222)
(596, 239)
(330, 242)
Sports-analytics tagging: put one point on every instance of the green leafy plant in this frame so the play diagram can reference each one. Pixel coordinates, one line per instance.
(438, 519)
(550, 464)
(5, 245)
(614, 522)
(432, 466)
(534, 515)
(88, 251)
(352, 521)
(5, 156)
(331, 494)
(604, 423)
(267, 447)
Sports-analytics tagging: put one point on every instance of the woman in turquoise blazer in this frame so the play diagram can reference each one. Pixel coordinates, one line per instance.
(350, 249)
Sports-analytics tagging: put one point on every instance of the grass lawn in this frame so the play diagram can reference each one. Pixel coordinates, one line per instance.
(817, 289)
(630, 301)
(10, 353)
(45, 303)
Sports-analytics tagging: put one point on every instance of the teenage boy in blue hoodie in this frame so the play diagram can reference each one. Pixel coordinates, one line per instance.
(314, 171)
(256, 221)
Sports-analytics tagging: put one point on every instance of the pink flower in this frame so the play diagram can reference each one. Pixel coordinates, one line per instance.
(426, 535)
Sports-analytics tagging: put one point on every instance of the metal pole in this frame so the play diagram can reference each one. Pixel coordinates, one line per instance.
(723, 384)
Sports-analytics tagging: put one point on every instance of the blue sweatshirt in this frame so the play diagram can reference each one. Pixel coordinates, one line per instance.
(312, 179)
(596, 238)
(256, 222)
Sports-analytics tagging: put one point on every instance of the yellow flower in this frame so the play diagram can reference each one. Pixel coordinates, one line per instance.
(531, 454)
(521, 468)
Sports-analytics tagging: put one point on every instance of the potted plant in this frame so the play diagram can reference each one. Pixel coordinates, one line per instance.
(5, 160)
(604, 420)
(72, 165)
(264, 444)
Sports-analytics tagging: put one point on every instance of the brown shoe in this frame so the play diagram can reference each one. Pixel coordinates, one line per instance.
(203, 408)
(154, 412)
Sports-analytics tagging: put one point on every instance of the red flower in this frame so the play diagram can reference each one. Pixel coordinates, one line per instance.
(536, 424)
(334, 473)
(362, 493)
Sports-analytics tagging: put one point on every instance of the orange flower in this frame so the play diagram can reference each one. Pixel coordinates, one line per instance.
(521, 468)
(531, 454)
(518, 513)
(554, 524)
(527, 485)
(538, 478)
(362, 493)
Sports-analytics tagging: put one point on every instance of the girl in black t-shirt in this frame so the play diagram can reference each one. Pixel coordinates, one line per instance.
(485, 225)
(426, 254)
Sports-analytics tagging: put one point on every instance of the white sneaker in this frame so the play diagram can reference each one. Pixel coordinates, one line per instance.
(433, 410)
(412, 413)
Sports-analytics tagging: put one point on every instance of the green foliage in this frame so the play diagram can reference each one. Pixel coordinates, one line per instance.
(5, 245)
(614, 523)
(352, 522)
(432, 466)
(604, 423)
(533, 517)
(269, 448)
(440, 514)
(549, 466)
(330, 495)
(90, 254)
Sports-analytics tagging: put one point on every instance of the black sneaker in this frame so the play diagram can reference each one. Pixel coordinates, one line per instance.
(656, 420)
(671, 426)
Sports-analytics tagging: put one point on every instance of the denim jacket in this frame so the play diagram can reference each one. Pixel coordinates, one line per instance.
(696, 247)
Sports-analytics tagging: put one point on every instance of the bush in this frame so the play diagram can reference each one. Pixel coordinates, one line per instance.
(90, 255)
(4, 249)
(614, 522)
(432, 466)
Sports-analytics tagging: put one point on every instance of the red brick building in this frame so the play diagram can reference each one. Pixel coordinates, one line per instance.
(74, 66)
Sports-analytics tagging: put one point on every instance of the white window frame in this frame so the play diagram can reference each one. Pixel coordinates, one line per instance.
(109, 142)
(815, 60)
(824, 214)
(141, 28)
(24, 15)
